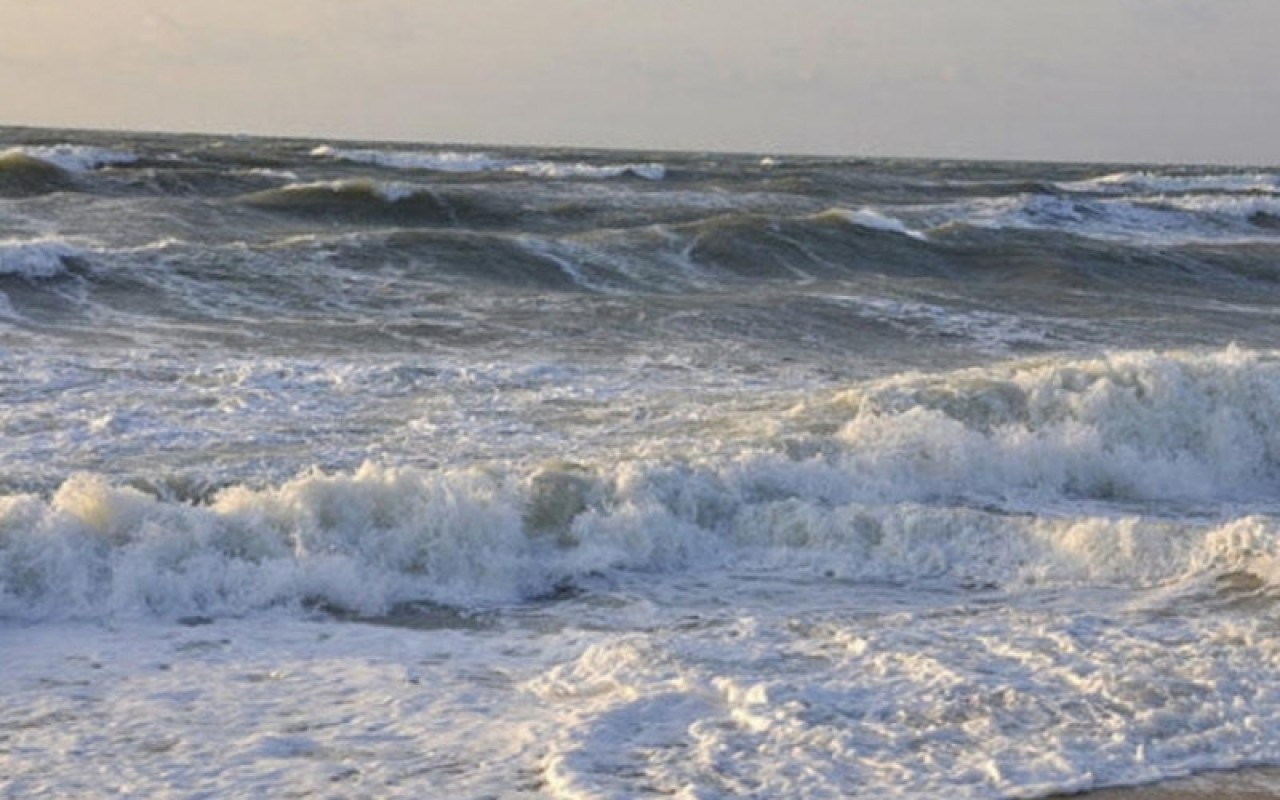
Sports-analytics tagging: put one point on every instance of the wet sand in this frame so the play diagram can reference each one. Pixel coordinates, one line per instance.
(1245, 784)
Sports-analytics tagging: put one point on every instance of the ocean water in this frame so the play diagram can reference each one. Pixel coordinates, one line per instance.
(401, 470)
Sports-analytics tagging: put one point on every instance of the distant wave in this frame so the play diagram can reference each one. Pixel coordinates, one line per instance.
(33, 170)
(994, 332)
(36, 258)
(359, 197)
(73, 157)
(306, 193)
(874, 220)
(913, 478)
(1236, 207)
(1155, 182)
(1150, 219)
(450, 161)
(21, 174)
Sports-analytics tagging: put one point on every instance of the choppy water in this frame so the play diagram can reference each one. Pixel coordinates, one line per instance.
(404, 470)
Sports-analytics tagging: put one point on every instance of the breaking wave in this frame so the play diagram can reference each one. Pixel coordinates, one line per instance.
(36, 258)
(472, 162)
(21, 175)
(874, 220)
(72, 157)
(1154, 219)
(378, 201)
(321, 192)
(915, 478)
(1157, 183)
(39, 169)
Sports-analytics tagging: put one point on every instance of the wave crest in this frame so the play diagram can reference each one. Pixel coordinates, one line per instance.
(353, 199)
(1154, 182)
(22, 175)
(872, 219)
(72, 157)
(917, 478)
(473, 162)
(36, 258)
(1134, 426)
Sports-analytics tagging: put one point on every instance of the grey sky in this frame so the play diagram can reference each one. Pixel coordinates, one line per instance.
(1125, 80)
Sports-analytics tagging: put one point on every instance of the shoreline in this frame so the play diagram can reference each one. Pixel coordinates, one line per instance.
(1247, 783)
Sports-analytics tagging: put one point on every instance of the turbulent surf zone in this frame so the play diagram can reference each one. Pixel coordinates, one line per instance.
(392, 470)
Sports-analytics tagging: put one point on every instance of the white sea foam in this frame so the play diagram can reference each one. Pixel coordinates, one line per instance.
(75, 158)
(1139, 426)
(453, 161)
(395, 192)
(445, 161)
(820, 690)
(1235, 207)
(550, 169)
(875, 220)
(266, 172)
(907, 479)
(992, 331)
(1153, 182)
(980, 704)
(1154, 219)
(389, 191)
(267, 707)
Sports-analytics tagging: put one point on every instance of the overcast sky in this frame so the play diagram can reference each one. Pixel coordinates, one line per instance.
(1118, 80)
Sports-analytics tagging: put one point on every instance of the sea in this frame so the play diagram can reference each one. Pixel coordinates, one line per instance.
(405, 470)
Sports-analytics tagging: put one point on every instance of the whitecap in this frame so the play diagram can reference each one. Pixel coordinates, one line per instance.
(472, 162)
(444, 161)
(916, 478)
(75, 158)
(36, 258)
(1155, 219)
(1154, 182)
(873, 219)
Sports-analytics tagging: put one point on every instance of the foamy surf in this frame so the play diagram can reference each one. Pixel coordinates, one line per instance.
(924, 479)
(368, 542)
(358, 469)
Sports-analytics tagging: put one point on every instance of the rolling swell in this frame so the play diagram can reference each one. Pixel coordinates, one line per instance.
(478, 162)
(698, 222)
(22, 175)
(367, 201)
(844, 244)
(827, 245)
(470, 257)
(38, 259)
(841, 253)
